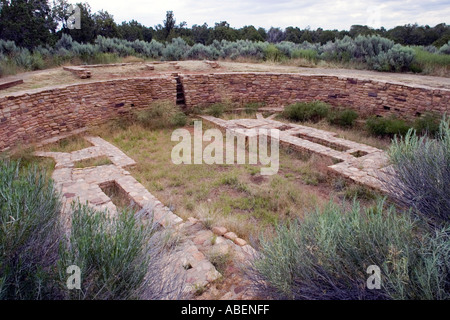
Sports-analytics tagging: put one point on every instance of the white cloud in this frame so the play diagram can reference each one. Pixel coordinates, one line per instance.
(327, 14)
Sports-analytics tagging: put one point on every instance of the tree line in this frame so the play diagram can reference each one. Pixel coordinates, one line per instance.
(32, 23)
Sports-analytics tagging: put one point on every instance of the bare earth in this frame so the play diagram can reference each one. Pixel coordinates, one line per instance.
(57, 76)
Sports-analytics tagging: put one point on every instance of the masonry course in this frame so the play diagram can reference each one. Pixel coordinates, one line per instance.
(366, 96)
(36, 115)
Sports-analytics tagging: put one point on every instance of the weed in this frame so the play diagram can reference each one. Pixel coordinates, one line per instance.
(306, 111)
(161, 114)
(392, 126)
(219, 260)
(342, 118)
(93, 162)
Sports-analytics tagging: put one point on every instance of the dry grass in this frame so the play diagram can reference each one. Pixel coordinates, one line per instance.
(93, 162)
(69, 144)
(26, 156)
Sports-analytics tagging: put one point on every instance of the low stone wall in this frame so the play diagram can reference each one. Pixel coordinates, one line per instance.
(365, 96)
(40, 114)
(79, 72)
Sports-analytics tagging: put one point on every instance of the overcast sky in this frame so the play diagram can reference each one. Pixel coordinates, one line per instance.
(327, 14)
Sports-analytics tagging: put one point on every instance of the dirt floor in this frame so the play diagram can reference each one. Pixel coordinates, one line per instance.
(58, 76)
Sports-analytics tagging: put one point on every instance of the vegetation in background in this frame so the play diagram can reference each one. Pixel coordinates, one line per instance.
(217, 109)
(31, 24)
(35, 35)
(391, 126)
(160, 114)
(428, 123)
(343, 118)
(430, 60)
(306, 111)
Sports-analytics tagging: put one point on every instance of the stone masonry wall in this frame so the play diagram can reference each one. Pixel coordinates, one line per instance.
(365, 96)
(40, 114)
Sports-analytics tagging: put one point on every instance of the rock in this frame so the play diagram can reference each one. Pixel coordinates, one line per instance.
(212, 275)
(220, 231)
(230, 235)
(220, 240)
(240, 242)
(249, 250)
(80, 72)
(202, 236)
(220, 249)
(227, 296)
(192, 220)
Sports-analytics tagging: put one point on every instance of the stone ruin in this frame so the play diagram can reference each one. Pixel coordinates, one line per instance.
(87, 185)
(360, 163)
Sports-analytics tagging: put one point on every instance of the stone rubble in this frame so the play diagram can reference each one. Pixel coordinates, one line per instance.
(80, 72)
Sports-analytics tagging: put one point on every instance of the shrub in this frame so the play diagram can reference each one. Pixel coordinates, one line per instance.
(30, 233)
(8, 67)
(272, 53)
(306, 111)
(308, 54)
(398, 58)
(421, 170)
(435, 63)
(340, 50)
(120, 257)
(8, 47)
(427, 124)
(110, 251)
(65, 42)
(154, 49)
(37, 62)
(445, 49)
(368, 47)
(175, 50)
(161, 114)
(200, 52)
(326, 256)
(240, 49)
(252, 107)
(343, 118)
(102, 58)
(179, 119)
(379, 126)
(360, 193)
(216, 110)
